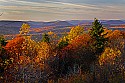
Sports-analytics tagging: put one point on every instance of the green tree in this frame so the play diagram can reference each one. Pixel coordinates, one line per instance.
(4, 59)
(98, 37)
(45, 38)
(2, 44)
(2, 41)
(62, 44)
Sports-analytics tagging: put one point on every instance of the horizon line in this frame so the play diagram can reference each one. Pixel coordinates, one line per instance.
(61, 20)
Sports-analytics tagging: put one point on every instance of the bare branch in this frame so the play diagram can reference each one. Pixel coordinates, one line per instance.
(1, 14)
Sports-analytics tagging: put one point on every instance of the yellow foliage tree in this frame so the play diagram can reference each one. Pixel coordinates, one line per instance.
(44, 52)
(30, 47)
(24, 29)
(53, 37)
(74, 32)
(109, 56)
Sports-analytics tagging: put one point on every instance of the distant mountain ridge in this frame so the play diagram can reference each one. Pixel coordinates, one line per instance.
(35, 24)
(11, 23)
(13, 27)
(114, 22)
(57, 24)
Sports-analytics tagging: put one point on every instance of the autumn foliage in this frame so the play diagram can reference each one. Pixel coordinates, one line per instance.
(95, 56)
(14, 47)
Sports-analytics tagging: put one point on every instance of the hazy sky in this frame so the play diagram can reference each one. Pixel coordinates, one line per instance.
(48, 10)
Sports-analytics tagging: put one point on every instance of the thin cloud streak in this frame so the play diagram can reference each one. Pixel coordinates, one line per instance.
(49, 3)
(77, 5)
(57, 10)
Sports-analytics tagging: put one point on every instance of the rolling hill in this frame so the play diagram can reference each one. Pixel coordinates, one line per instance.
(13, 27)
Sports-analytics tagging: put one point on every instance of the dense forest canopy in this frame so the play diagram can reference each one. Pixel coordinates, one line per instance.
(95, 56)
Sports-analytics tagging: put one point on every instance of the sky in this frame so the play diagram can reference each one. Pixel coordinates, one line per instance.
(51, 10)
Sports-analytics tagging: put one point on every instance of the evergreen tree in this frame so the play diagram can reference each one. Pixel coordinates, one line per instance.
(98, 36)
(2, 43)
(2, 40)
(63, 44)
(45, 38)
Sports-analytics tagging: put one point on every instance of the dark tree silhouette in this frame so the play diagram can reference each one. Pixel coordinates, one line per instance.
(98, 36)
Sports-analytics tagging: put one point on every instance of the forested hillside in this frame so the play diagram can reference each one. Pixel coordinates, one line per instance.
(78, 56)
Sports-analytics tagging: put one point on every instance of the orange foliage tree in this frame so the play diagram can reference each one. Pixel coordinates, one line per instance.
(82, 51)
(78, 52)
(116, 39)
(14, 47)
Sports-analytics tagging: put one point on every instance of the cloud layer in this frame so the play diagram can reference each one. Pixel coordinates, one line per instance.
(47, 10)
